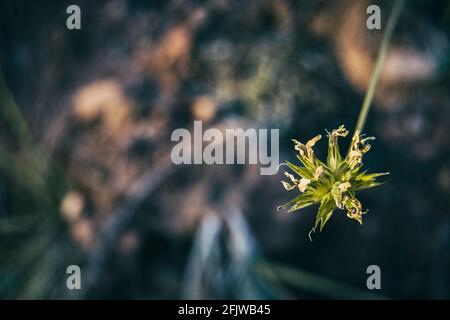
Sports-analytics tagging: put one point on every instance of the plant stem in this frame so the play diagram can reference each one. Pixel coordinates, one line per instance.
(398, 5)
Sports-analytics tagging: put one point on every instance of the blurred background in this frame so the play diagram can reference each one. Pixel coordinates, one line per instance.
(85, 172)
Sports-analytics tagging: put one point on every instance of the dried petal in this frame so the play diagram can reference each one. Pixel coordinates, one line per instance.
(334, 156)
(354, 209)
(291, 177)
(354, 158)
(303, 184)
(287, 185)
(318, 172)
(343, 187)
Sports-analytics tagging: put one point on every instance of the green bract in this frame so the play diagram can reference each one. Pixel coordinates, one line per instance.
(334, 184)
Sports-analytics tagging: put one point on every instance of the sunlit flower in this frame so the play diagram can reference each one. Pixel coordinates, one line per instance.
(332, 185)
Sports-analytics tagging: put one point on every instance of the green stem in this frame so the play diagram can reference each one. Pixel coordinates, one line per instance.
(398, 5)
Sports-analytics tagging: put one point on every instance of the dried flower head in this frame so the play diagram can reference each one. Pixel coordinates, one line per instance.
(334, 184)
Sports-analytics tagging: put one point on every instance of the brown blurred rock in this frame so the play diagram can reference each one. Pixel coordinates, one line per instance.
(103, 99)
(72, 206)
(204, 108)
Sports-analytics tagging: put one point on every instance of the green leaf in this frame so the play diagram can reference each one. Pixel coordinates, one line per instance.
(371, 176)
(302, 201)
(365, 181)
(334, 155)
(302, 172)
(367, 185)
(327, 206)
(307, 164)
